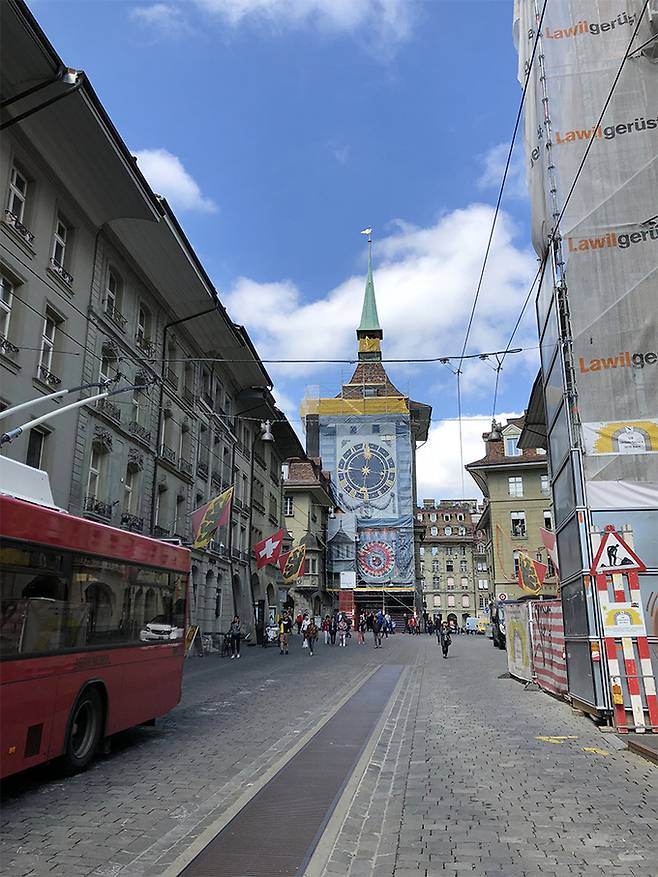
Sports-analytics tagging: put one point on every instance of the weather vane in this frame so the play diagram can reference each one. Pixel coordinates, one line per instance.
(368, 232)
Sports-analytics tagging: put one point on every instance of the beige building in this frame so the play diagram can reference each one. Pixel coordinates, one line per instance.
(517, 496)
(453, 567)
(308, 502)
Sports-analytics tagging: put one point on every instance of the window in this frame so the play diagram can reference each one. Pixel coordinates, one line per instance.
(419, 518)
(448, 531)
(462, 531)
(481, 566)
(460, 517)
(288, 506)
(109, 364)
(95, 473)
(511, 449)
(35, 448)
(435, 566)
(433, 517)
(446, 517)
(548, 519)
(179, 516)
(517, 520)
(113, 298)
(515, 486)
(437, 601)
(311, 566)
(50, 323)
(436, 582)
(129, 490)
(6, 299)
(449, 566)
(481, 600)
(17, 194)
(545, 485)
(435, 550)
(516, 564)
(466, 601)
(463, 566)
(450, 583)
(434, 531)
(483, 584)
(451, 600)
(449, 551)
(464, 582)
(60, 239)
(421, 551)
(143, 333)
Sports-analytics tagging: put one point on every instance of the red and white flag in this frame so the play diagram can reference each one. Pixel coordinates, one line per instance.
(268, 550)
(548, 538)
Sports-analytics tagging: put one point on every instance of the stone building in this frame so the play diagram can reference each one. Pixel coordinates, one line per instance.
(453, 560)
(308, 503)
(366, 437)
(517, 498)
(93, 265)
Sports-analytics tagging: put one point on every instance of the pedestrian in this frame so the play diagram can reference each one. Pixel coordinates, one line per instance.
(303, 628)
(388, 624)
(411, 624)
(285, 626)
(342, 631)
(325, 629)
(361, 630)
(333, 629)
(369, 620)
(406, 623)
(430, 626)
(311, 636)
(377, 631)
(299, 620)
(234, 630)
(444, 638)
(425, 618)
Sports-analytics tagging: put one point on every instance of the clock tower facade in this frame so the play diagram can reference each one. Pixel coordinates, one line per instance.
(366, 437)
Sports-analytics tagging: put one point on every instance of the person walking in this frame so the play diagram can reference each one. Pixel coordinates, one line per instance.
(342, 631)
(377, 630)
(325, 629)
(361, 630)
(444, 638)
(388, 624)
(234, 631)
(304, 627)
(311, 636)
(299, 620)
(333, 629)
(285, 626)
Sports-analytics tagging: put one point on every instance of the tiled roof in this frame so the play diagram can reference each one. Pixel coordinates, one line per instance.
(371, 375)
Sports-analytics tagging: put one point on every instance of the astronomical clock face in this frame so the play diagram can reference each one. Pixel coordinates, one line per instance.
(376, 559)
(366, 471)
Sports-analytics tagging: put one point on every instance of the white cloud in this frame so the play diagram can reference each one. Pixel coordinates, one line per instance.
(390, 18)
(493, 167)
(167, 176)
(439, 462)
(425, 280)
(165, 18)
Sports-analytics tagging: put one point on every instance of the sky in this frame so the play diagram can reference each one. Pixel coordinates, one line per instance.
(279, 129)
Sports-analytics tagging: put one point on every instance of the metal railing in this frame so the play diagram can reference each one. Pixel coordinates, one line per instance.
(160, 532)
(139, 431)
(202, 470)
(188, 396)
(109, 409)
(168, 454)
(97, 507)
(13, 221)
(185, 466)
(132, 522)
(61, 272)
(171, 378)
(7, 347)
(145, 345)
(48, 377)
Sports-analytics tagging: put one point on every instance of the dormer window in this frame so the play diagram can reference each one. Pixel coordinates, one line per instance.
(511, 448)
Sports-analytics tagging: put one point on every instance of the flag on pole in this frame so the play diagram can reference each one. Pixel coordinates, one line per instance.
(548, 538)
(531, 574)
(210, 517)
(292, 563)
(268, 550)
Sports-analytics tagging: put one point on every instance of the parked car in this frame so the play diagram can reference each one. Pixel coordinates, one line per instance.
(159, 630)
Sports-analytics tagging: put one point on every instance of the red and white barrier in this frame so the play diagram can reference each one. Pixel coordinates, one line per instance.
(548, 652)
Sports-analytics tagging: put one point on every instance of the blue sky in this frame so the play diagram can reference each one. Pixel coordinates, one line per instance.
(280, 129)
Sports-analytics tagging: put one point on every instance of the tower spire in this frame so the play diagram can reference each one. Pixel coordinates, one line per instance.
(369, 331)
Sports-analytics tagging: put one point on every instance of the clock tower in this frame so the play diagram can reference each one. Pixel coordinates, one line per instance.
(367, 437)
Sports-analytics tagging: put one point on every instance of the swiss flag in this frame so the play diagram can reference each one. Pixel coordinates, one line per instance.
(269, 549)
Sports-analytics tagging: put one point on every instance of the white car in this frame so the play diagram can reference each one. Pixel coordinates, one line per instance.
(158, 631)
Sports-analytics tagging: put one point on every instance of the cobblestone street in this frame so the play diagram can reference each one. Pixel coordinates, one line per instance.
(466, 771)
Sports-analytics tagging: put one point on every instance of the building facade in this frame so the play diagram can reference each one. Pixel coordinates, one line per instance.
(517, 498)
(366, 437)
(308, 503)
(453, 562)
(92, 264)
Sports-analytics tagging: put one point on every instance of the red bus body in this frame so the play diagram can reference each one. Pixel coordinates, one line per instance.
(138, 681)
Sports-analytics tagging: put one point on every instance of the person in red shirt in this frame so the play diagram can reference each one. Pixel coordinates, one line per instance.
(298, 622)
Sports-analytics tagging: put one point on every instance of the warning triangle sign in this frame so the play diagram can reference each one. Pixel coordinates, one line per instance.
(614, 555)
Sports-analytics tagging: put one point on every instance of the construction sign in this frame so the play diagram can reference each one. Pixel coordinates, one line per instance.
(615, 556)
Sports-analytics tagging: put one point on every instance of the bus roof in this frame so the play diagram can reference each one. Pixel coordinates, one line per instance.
(33, 523)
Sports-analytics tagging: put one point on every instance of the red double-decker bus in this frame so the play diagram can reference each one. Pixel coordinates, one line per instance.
(92, 623)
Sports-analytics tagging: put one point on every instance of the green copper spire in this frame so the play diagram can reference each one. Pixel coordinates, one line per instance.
(369, 325)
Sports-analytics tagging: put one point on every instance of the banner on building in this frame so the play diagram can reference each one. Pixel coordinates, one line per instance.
(517, 636)
(208, 518)
(531, 574)
(291, 564)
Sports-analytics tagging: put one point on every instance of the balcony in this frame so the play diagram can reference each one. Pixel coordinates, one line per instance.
(7, 347)
(258, 505)
(237, 502)
(260, 460)
(61, 272)
(109, 409)
(161, 532)
(244, 450)
(95, 506)
(48, 377)
(188, 397)
(202, 470)
(216, 478)
(15, 223)
(116, 316)
(140, 432)
(206, 398)
(168, 454)
(145, 345)
(186, 467)
(132, 522)
(171, 378)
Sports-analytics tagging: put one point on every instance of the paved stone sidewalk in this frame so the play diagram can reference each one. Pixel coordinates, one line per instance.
(478, 792)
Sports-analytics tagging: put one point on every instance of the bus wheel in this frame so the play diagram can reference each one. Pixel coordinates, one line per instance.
(84, 731)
